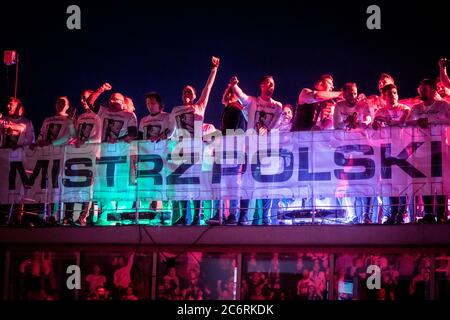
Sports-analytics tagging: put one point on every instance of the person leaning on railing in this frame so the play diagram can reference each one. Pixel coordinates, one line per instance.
(431, 111)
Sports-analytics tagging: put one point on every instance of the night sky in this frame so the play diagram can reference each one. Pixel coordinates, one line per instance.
(141, 46)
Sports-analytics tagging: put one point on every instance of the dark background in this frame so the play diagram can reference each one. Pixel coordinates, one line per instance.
(141, 46)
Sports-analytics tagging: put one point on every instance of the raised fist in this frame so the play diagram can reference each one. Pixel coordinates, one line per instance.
(234, 80)
(215, 62)
(443, 63)
(106, 86)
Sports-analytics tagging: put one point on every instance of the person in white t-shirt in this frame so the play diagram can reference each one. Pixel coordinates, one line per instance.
(263, 115)
(377, 102)
(351, 114)
(118, 124)
(59, 129)
(15, 130)
(88, 130)
(118, 121)
(432, 111)
(186, 118)
(87, 125)
(156, 126)
(392, 114)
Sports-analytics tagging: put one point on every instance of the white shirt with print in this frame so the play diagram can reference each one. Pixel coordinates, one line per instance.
(57, 130)
(154, 126)
(261, 113)
(436, 113)
(343, 110)
(88, 127)
(392, 114)
(115, 124)
(184, 117)
(16, 131)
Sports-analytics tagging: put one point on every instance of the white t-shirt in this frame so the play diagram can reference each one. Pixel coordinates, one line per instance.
(184, 117)
(115, 124)
(57, 130)
(88, 127)
(16, 132)
(343, 109)
(437, 113)
(154, 126)
(392, 114)
(260, 113)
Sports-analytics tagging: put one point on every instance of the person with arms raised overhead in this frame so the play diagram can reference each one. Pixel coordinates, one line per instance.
(186, 118)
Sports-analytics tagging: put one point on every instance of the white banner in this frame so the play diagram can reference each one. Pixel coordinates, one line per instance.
(389, 162)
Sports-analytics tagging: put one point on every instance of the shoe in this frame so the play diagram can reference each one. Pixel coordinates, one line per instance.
(213, 222)
(367, 219)
(83, 220)
(244, 223)
(80, 223)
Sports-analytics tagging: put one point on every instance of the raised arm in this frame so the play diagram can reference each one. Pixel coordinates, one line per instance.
(130, 262)
(94, 96)
(443, 72)
(308, 96)
(203, 100)
(243, 98)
